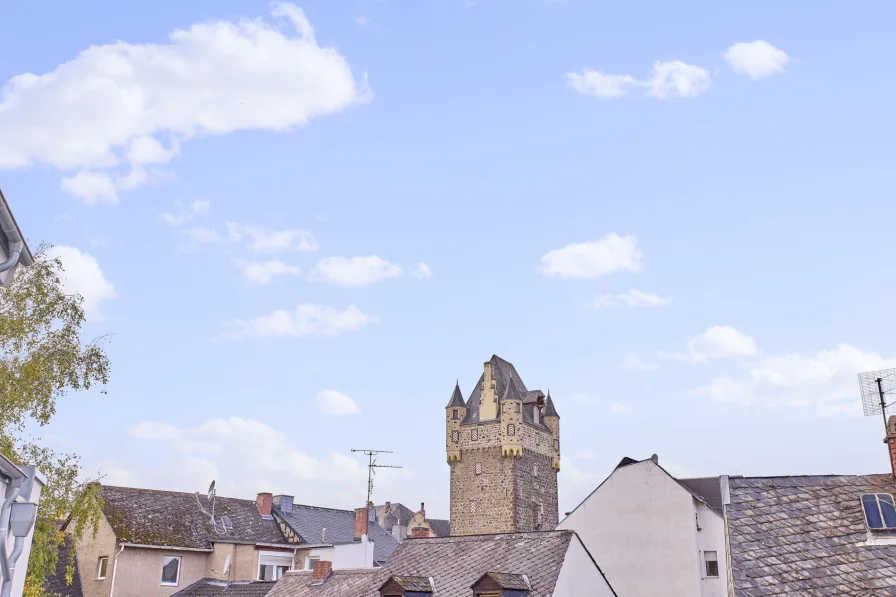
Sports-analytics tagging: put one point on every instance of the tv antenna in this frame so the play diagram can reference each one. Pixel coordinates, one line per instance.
(211, 515)
(877, 387)
(371, 468)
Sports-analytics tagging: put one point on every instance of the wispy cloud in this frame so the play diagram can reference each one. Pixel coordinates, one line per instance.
(331, 402)
(363, 271)
(593, 259)
(263, 272)
(632, 299)
(631, 362)
(669, 79)
(718, 342)
(757, 59)
(304, 320)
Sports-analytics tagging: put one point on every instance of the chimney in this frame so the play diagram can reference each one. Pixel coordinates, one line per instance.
(321, 571)
(323, 535)
(890, 440)
(284, 503)
(419, 533)
(264, 502)
(388, 507)
(422, 510)
(361, 523)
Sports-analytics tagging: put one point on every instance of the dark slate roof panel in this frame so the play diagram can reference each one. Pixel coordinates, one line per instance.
(413, 583)
(513, 582)
(402, 513)
(708, 488)
(209, 587)
(549, 409)
(57, 584)
(171, 518)
(309, 521)
(457, 399)
(440, 527)
(454, 563)
(506, 380)
(807, 536)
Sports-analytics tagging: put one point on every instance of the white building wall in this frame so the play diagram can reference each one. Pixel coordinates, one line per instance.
(712, 538)
(640, 526)
(347, 555)
(579, 576)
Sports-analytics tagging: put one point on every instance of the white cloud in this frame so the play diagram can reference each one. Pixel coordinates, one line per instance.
(92, 187)
(259, 239)
(632, 299)
(304, 320)
(598, 84)
(331, 402)
(619, 408)
(594, 258)
(677, 79)
(245, 457)
(825, 382)
(363, 271)
(119, 106)
(757, 59)
(668, 79)
(83, 275)
(631, 362)
(180, 215)
(263, 272)
(719, 342)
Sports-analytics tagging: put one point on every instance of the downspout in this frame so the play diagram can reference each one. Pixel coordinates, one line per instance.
(5, 511)
(114, 570)
(16, 242)
(17, 549)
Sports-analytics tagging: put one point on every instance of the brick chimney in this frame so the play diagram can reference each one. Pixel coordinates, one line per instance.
(890, 440)
(362, 521)
(264, 502)
(321, 571)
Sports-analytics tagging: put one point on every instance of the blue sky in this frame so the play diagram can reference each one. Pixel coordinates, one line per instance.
(674, 218)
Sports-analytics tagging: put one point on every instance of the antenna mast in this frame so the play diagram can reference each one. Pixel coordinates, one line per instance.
(876, 386)
(371, 468)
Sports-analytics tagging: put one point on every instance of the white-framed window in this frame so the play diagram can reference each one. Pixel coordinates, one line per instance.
(309, 562)
(272, 565)
(102, 567)
(171, 571)
(478, 468)
(711, 564)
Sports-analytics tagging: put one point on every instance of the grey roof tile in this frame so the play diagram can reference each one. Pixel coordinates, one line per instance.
(506, 378)
(457, 399)
(709, 488)
(209, 587)
(806, 536)
(56, 584)
(173, 519)
(549, 409)
(440, 527)
(454, 563)
(309, 522)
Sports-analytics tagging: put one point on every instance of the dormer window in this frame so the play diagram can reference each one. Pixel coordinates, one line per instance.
(880, 511)
(500, 584)
(407, 586)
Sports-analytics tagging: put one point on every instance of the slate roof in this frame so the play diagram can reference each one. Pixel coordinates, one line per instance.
(309, 521)
(402, 513)
(709, 488)
(173, 519)
(440, 527)
(549, 408)
(454, 563)
(806, 536)
(210, 587)
(457, 399)
(413, 583)
(507, 384)
(56, 584)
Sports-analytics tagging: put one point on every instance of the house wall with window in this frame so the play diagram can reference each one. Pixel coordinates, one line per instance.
(140, 571)
(711, 542)
(641, 525)
(243, 562)
(90, 551)
(343, 556)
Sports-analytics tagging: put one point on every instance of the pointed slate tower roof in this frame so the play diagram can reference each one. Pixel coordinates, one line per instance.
(549, 410)
(457, 398)
(511, 391)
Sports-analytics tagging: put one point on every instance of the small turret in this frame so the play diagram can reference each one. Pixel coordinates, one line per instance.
(552, 421)
(511, 421)
(454, 414)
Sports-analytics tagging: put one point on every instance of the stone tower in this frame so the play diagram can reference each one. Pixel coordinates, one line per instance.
(503, 447)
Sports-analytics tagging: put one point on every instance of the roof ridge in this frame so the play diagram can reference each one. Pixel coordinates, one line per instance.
(496, 536)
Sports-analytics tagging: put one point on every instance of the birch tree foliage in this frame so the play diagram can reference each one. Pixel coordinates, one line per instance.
(43, 358)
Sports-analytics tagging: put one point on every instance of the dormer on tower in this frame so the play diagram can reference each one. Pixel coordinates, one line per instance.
(454, 414)
(511, 421)
(552, 421)
(488, 394)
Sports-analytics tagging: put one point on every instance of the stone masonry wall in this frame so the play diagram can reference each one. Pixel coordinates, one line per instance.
(490, 492)
(535, 495)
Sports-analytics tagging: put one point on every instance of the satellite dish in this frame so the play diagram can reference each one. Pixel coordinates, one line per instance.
(226, 565)
(211, 491)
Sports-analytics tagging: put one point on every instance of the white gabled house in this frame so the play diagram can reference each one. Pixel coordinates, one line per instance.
(655, 535)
